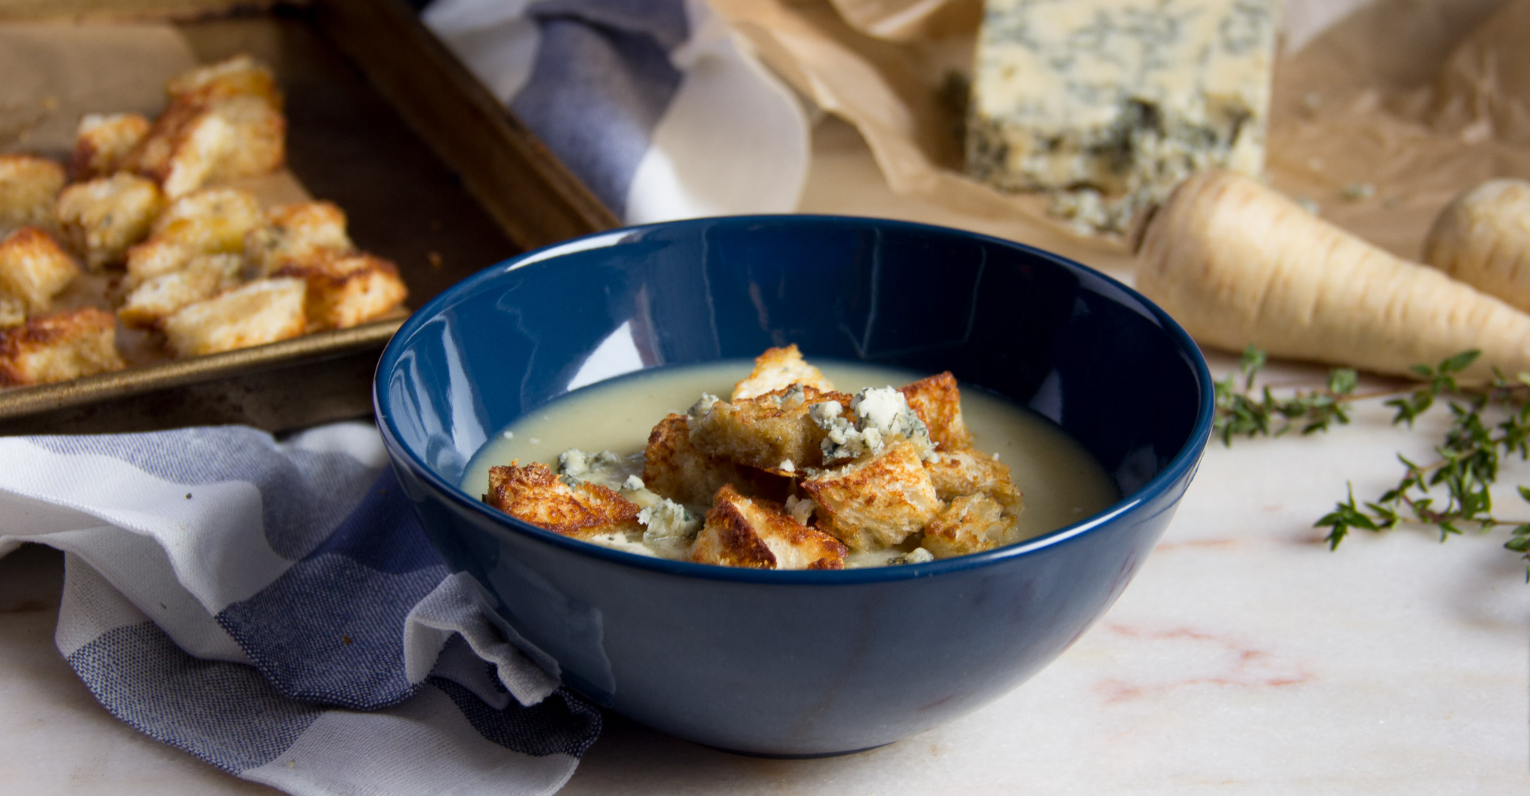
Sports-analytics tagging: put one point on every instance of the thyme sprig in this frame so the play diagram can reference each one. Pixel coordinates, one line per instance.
(1452, 493)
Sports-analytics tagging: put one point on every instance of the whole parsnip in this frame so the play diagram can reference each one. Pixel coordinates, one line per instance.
(1483, 239)
(1237, 263)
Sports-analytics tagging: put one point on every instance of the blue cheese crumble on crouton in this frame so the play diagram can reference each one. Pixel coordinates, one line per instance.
(882, 415)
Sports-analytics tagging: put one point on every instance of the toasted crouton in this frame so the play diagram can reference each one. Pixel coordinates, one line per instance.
(59, 346)
(28, 187)
(779, 368)
(215, 220)
(877, 500)
(101, 142)
(939, 404)
(346, 290)
(33, 268)
(239, 75)
(181, 148)
(965, 472)
(197, 142)
(675, 469)
(535, 494)
(153, 258)
(253, 314)
(13, 311)
(207, 221)
(971, 523)
(159, 297)
(296, 235)
(102, 217)
(773, 431)
(748, 533)
(259, 143)
(210, 220)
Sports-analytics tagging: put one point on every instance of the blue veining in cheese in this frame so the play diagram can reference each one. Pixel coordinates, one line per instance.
(1109, 103)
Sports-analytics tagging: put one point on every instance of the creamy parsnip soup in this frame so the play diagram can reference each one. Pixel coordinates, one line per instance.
(789, 465)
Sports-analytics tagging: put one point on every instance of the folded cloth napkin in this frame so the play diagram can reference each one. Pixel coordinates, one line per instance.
(275, 609)
(654, 104)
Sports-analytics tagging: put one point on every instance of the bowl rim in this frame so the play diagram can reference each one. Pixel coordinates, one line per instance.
(1183, 463)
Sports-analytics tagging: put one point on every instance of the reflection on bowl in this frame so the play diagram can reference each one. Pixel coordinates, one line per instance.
(795, 663)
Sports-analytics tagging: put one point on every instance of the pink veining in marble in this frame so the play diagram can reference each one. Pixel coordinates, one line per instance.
(1216, 660)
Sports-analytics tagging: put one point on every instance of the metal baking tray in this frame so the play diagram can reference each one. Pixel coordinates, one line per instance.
(433, 172)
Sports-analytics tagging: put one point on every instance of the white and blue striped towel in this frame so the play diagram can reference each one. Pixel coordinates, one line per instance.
(274, 609)
(654, 104)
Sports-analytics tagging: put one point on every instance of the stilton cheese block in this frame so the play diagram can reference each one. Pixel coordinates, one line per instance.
(1109, 103)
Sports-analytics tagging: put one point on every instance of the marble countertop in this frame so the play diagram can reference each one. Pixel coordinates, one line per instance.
(1245, 658)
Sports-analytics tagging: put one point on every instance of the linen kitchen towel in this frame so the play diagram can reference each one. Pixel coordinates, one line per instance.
(275, 609)
(654, 104)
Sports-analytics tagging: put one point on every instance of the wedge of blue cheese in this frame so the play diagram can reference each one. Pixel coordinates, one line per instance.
(1107, 104)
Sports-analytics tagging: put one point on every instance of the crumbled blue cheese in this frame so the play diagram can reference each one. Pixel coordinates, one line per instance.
(670, 528)
(604, 468)
(1355, 192)
(801, 509)
(844, 440)
(791, 397)
(887, 410)
(703, 406)
(918, 555)
(622, 542)
(881, 415)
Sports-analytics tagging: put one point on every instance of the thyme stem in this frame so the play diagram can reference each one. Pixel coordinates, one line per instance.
(1468, 456)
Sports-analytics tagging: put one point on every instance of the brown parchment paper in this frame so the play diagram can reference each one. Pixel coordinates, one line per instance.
(1379, 119)
(51, 74)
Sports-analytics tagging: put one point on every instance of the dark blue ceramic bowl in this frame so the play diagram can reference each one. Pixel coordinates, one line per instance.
(794, 663)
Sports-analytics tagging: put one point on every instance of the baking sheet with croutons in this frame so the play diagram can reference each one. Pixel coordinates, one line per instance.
(345, 143)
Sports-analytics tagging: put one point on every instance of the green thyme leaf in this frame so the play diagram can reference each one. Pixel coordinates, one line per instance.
(1452, 493)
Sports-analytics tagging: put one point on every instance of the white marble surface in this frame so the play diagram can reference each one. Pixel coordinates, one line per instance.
(1245, 658)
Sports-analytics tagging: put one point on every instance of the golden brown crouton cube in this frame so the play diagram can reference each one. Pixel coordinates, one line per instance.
(259, 143)
(102, 217)
(215, 220)
(28, 188)
(939, 404)
(673, 468)
(102, 141)
(779, 368)
(181, 148)
(33, 268)
(748, 533)
(210, 220)
(13, 311)
(253, 314)
(964, 472)
(877, 500)
(240, 75)
(772, 431)
(192, 143)
(971, 523)
(159, 297)
(157, 257)
(535, 494)
(59, 346)
(296, 235)
(349, 289)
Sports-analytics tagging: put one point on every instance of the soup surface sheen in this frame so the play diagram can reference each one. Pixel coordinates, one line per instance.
(1061, 482)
